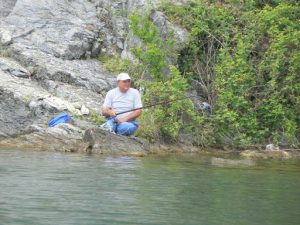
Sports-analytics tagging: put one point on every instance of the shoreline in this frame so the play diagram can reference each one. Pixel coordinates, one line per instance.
(171, 149)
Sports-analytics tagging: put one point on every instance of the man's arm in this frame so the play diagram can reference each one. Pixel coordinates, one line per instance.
(106, 109)
(135, 114)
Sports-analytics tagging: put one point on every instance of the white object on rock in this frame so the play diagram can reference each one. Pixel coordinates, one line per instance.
(272, 147)
(84, 110)
(77, 105)
(32, 105)
(5, 37)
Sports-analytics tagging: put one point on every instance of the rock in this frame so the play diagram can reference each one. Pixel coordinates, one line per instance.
(165, 28)
(231, 162)
(84, 110)
(104, 142)
(51, 39)
(55, 104)
(13, 67)
(179, 2)
(56, 29)
(15, 96)
(5, 37)
(23, 102)
(54, 39)
(77, 105)
(96, 49)
(272, 147)
(69, 129)
(131, 41)
(270, 154)
(53, 43)
(159, 19)
(6, 6)
(32, 105)
(82, 124)
(63, 137)
(181, 35)
(2, 135)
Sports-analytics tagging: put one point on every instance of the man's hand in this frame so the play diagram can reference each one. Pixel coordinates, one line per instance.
(112, 113)
(108, 112)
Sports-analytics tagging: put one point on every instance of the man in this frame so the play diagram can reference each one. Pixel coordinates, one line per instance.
(120, 99)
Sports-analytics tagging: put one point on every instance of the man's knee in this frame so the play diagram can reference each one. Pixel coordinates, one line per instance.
(126, 128)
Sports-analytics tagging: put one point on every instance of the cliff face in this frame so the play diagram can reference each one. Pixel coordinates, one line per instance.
(48, 65)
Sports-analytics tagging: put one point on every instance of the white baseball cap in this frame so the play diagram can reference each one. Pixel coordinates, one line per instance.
(123, 76)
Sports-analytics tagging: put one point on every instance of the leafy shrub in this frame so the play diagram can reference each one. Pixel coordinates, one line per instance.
(245, 56)
(164, 83)
(258, 79)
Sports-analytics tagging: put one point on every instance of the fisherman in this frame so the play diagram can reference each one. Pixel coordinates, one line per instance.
(120, 99)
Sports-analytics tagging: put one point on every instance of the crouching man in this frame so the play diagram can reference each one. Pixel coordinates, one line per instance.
(120, 99)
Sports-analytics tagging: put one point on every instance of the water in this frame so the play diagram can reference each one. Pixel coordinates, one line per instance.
(57, 188)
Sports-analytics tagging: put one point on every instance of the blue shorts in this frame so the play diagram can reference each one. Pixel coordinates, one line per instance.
(125, 128)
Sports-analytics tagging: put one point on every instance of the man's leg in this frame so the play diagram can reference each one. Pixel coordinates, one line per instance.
(111, 124)
(127, 128)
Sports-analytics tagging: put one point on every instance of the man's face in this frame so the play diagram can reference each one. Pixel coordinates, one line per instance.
(124, 85)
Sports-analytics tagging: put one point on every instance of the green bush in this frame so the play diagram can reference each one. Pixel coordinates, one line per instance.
(164, 82)
(5, 52)
(258, 79)
(245, 56)
(96, 118)
(116, 64)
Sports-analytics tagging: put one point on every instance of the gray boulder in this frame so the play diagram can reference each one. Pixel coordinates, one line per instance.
(104, 142)
(52, 37)
(63, 137)
(65, 29)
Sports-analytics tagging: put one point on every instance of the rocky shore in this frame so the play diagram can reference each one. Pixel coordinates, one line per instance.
(49, 65)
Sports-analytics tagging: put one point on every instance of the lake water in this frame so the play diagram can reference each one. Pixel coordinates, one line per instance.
(59, 188)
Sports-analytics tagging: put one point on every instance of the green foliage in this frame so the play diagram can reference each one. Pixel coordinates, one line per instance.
(245, 58)
(96, 118)
(150, 129)
(210, 27)
(258, 79)
(164, 83)
(116, 64)
(5, 52)
(153, 53)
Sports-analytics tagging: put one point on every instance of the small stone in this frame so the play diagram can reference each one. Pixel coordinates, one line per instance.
(77, 105)
(32, 105)
(120, 45)
(5, 37)
(84, 110)
(286, 155)
(20, 73)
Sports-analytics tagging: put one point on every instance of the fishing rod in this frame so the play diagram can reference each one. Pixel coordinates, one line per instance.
(205, 105)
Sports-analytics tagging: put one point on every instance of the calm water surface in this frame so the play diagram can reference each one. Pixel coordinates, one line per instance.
(57, 188)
